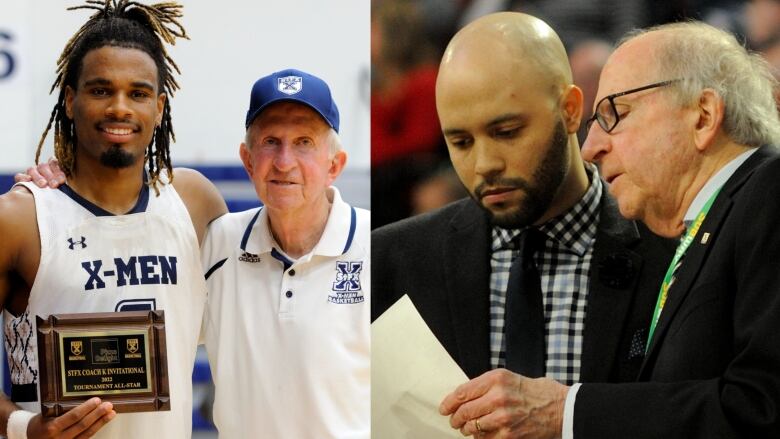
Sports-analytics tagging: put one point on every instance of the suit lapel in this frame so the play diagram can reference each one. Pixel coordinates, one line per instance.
(467, 277)
(692, 262)
(697, 253)
(613, 280)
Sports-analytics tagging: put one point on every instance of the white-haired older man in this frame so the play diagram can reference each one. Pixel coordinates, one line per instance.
(287, 320)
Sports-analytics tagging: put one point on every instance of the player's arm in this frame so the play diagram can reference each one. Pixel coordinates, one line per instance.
(19, 258)
(9, 255)
(203, 200)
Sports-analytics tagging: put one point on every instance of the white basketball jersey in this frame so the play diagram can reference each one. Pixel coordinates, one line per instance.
(92, 261)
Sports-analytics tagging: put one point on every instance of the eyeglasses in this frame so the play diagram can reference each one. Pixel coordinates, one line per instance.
(607, 115)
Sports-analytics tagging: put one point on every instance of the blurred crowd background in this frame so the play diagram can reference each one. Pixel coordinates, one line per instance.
(410, 170)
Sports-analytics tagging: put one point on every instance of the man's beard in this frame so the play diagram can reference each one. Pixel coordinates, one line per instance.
(540, 192)
(116, 157)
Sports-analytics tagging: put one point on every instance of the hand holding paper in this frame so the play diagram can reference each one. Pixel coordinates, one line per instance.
(416, 385)
(507, 404)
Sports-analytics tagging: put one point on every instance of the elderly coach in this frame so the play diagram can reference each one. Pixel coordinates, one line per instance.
(287, 320)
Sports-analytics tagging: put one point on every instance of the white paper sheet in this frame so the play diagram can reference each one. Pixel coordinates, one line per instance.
(411, 373)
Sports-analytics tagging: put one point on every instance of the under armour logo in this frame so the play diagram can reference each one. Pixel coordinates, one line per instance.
(72, 243)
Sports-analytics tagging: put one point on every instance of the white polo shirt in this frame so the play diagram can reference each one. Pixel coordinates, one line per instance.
(288, 341)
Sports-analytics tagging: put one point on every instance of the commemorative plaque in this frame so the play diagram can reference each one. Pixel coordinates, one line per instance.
(117, 356)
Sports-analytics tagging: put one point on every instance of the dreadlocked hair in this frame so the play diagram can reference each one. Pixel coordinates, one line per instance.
(127, 24)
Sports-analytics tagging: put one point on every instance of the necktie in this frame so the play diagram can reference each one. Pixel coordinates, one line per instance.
(524, 314)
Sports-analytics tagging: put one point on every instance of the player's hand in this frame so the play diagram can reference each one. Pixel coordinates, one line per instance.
(81, 422)
(46, 174)
(507, 405)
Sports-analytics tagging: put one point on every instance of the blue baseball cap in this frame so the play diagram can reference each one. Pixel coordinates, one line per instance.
(296, 86)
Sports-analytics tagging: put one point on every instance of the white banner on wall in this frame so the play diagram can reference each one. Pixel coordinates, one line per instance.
(232, 44)
(15, 86)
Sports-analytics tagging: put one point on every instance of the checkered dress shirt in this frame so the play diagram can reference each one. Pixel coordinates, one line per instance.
(563, 266)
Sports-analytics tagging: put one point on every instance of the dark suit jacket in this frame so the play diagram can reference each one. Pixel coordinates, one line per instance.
(442, 261)
(715, 358)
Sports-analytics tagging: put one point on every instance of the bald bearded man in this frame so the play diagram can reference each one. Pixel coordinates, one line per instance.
(579, 305)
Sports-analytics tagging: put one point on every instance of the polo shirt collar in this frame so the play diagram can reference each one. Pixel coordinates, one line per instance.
(336, 239)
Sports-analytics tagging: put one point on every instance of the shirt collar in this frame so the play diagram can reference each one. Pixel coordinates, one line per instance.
(139, 207)
(714, 183)
(336, 239)
(574, 229)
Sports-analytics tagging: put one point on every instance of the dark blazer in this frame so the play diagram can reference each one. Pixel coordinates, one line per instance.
(714, 361)
(442, 261)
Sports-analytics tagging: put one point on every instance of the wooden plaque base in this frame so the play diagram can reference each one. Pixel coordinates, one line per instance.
(118, 356)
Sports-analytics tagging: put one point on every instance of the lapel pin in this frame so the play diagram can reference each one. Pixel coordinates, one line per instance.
(705, 237)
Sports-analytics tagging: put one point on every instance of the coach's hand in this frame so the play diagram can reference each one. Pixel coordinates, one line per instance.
(81, 422)
(46, 174)
(502, 404)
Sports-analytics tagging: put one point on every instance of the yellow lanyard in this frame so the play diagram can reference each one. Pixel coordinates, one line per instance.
(678, 254)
